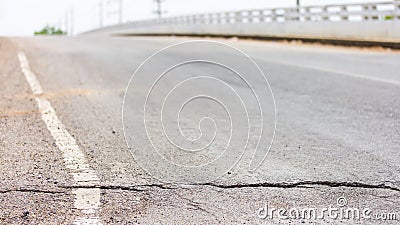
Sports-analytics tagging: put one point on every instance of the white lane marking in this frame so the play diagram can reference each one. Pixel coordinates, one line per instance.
(343, 73)
(86, 199)
(29, 75)
(87, 221)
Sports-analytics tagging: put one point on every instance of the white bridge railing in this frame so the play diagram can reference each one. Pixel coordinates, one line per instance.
(347, 12)
(364, 22)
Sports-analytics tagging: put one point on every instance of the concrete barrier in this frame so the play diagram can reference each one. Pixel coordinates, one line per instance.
(379, 31)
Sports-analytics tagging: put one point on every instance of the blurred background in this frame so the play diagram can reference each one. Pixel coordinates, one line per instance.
(24, 17)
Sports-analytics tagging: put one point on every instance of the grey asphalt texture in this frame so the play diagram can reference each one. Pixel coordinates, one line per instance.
(338, 134)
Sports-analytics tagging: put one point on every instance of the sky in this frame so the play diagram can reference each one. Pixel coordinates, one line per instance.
(23, 17)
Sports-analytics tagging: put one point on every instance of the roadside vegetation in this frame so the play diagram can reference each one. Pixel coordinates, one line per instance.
(50, 30)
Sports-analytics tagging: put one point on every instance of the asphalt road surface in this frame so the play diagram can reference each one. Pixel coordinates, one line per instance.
(64, 159)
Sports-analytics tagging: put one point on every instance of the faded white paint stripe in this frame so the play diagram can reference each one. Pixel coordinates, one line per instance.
(86, 199)
(342, 73)
(29, 75)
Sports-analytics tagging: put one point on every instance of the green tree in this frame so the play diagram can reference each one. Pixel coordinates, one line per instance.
(50, 30)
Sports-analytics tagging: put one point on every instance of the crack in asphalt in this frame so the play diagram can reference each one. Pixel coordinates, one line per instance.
(32, 190)
(300, 184)
(139, 188)
(304, 184)
(145, 187)
(198, 206)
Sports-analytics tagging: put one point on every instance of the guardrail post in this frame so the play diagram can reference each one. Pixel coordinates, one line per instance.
(214, 18)
(288, 14)
(367, 12)
(374, 12)
(200, 19)
(226, 16)
(344, 14)
(325, 14)
(284, 15)
(238, 17)
(206, 19)
(261, 17)
(397, 10)
(250, 17)
(217, 18)
(194, 19)
(306, 14)
(273, 15)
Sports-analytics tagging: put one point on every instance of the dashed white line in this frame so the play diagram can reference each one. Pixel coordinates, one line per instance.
(29, 75)
(86, 199)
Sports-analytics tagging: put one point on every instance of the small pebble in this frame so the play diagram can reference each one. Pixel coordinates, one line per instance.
(25, 214)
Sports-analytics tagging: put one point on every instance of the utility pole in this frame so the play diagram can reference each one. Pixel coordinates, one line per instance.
(158, 10)
(72, 22)
(115, 7)
(101, 13)
(59, 24)
(66, 23)
(298, 8)
(120, 13)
